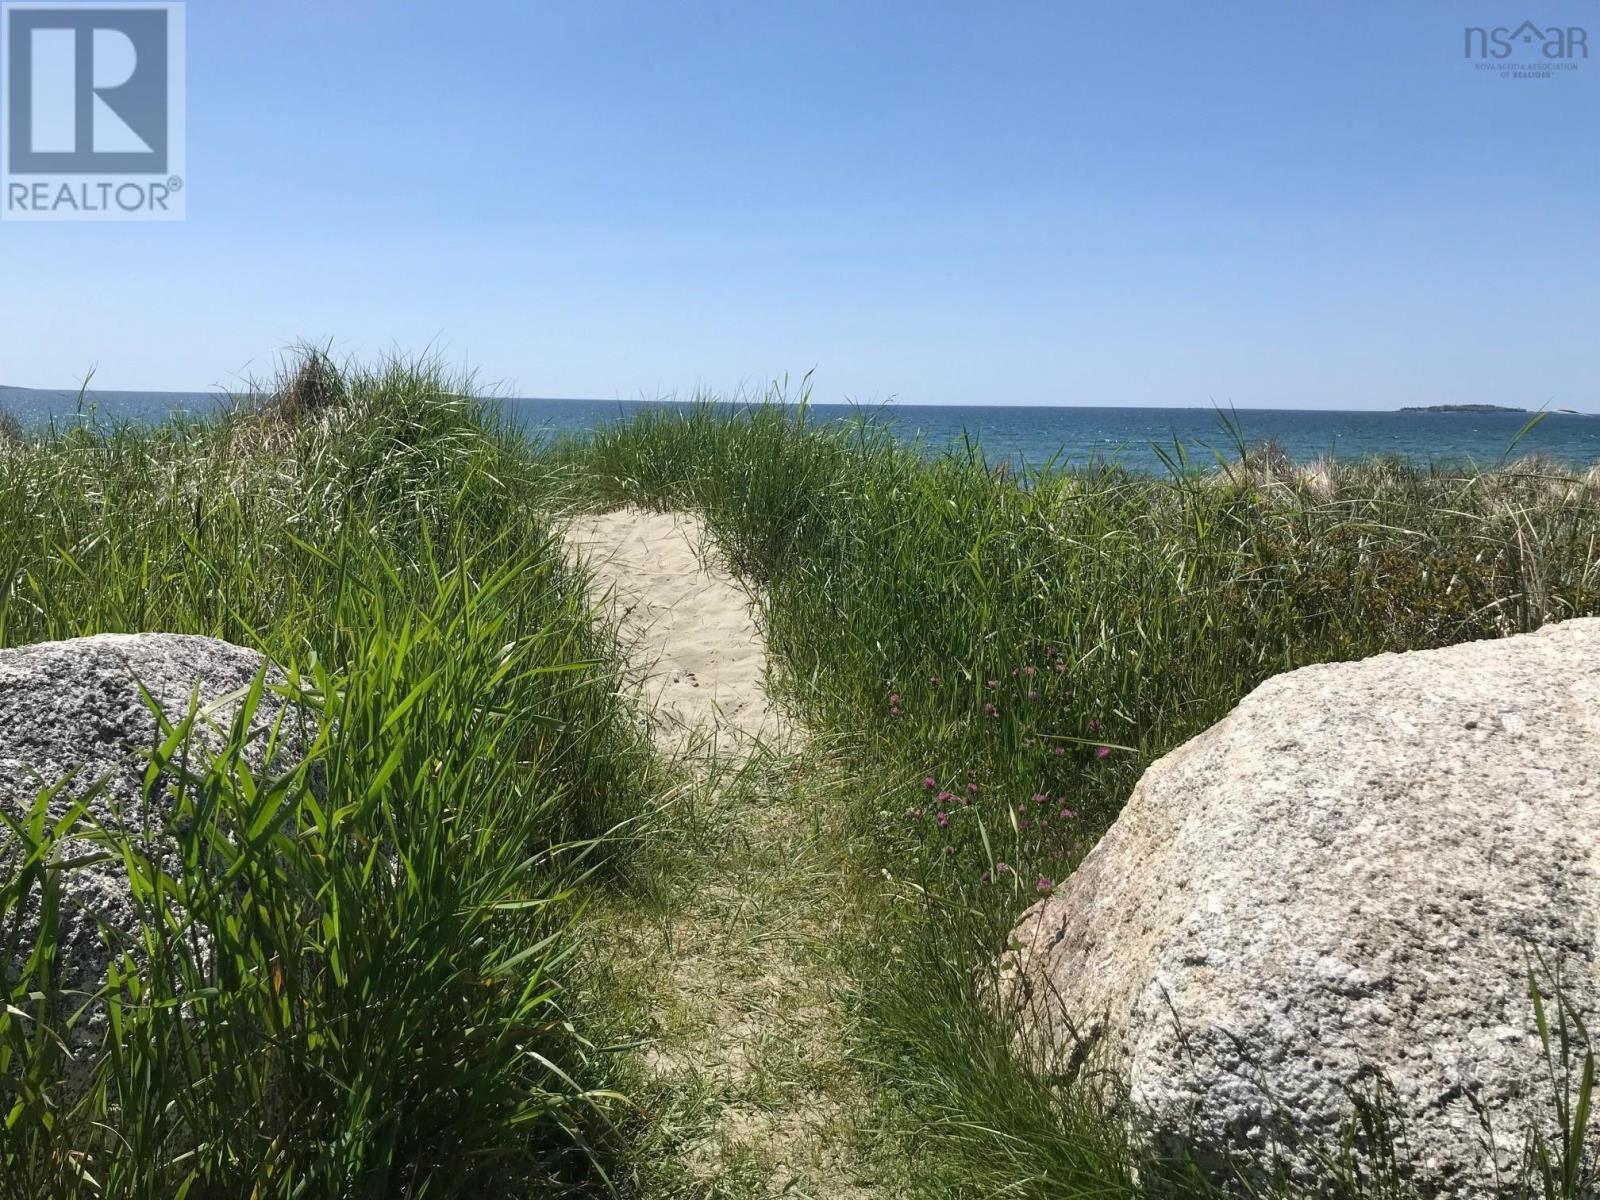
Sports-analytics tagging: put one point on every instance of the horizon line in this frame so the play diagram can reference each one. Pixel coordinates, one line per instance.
(893, 402)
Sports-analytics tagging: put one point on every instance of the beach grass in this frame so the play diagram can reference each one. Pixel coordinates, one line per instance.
(999, 656)
(367, 991)
(399, 993)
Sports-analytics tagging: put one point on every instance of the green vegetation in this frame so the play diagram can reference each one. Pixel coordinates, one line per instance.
(734, 968)
(367, 994)
(997, 659)
(373, 977)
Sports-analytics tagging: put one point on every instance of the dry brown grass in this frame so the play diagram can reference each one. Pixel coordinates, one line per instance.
(1532, 481)
(308, 390)
(310, 385)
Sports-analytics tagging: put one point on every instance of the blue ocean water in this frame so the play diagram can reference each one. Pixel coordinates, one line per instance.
(1031, 435)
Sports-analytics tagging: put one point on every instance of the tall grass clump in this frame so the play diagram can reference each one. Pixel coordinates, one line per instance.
(310, 384)
(355, 984)
(1003, 652)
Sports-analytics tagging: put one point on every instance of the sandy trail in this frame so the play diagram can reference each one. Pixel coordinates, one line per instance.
(687, 625)
(736, 974)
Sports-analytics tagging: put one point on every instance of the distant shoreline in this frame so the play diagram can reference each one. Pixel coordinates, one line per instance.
(1462, 408)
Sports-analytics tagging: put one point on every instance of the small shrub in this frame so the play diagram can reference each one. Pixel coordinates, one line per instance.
(310, 386)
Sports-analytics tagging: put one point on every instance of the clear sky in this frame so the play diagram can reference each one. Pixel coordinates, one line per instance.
(1299, 203)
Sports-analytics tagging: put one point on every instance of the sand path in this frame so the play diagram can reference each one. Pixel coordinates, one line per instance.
(733, 970)
(688, 625)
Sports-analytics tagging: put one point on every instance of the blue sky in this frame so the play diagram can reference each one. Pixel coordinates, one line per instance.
(1290, 204)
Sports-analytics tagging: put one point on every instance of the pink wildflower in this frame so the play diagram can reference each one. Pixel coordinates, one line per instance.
(1045, 886)
(929, 782)
(1102, 751)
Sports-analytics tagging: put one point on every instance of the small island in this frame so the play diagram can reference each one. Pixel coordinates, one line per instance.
(1462, 408)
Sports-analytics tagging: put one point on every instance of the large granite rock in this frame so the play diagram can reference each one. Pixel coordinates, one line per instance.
(76, 706)
(1347, 875)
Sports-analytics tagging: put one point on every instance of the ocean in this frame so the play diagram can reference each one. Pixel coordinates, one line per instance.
(1027, 435)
